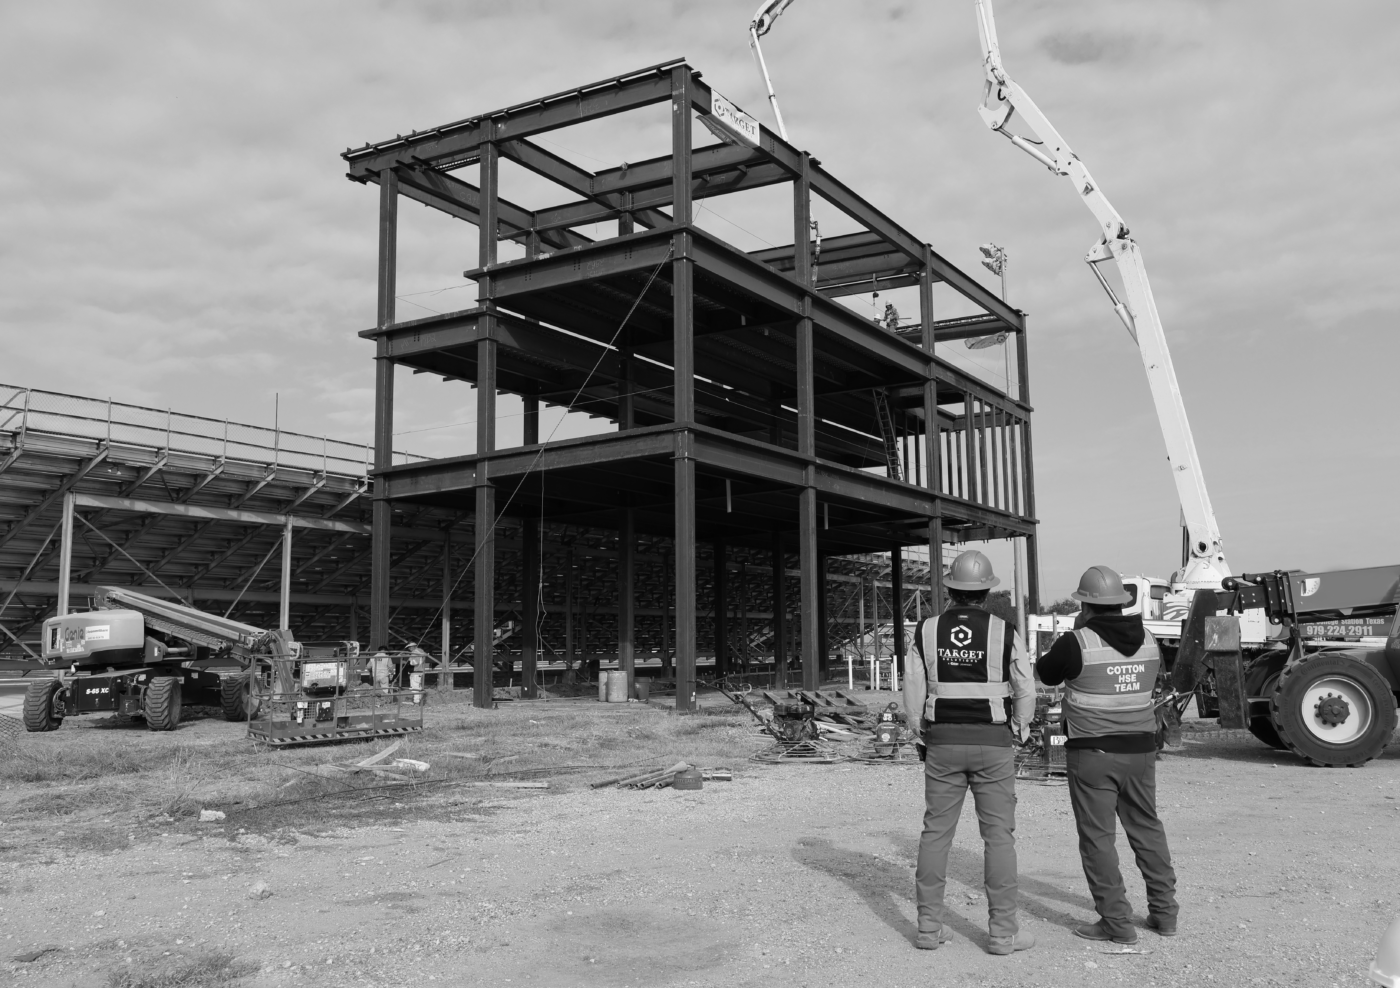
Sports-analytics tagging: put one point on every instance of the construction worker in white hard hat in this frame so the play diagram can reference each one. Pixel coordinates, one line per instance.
(416, 669)
(971, 694)
(1109, 665)
(383, 667)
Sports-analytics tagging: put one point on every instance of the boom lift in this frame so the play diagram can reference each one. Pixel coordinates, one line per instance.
(139, 656)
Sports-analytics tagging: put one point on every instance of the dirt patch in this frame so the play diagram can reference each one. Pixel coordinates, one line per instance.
(789, 875)
(206, 971)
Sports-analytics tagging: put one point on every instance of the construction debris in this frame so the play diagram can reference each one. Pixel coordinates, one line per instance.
(376, 759)
(804, 723)
(661, 778)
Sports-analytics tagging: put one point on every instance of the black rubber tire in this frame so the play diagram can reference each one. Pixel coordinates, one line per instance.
(38, 706)
(1262, 680)
(163, 703)
(232, 691)
(1292, 720)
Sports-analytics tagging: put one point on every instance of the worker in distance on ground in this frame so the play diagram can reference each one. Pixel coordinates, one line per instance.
(970, 693)
(1109, 666)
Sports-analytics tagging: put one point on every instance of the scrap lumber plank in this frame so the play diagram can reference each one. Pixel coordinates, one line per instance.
(376, 759)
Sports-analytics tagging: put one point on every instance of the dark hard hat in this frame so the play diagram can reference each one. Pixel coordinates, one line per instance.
(1101, 585)
(971, 571)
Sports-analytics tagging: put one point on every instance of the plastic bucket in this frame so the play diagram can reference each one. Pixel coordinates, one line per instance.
(643, 688)
(602, 686)
(617, 686)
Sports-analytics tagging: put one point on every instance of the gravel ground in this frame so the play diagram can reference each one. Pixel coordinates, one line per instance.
(789, 875)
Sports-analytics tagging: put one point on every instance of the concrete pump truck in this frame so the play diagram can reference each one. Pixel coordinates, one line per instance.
(1278, 661)
(1306, 661)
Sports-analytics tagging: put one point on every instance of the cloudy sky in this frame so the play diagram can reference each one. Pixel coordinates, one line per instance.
(176, 230)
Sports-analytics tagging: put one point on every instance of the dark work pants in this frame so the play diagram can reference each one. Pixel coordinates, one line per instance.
(990, 772)
(1102, 786)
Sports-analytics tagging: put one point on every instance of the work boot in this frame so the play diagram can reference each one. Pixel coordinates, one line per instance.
(1097, 931)
(934, 940)
(1009, 945)
(1163, 926)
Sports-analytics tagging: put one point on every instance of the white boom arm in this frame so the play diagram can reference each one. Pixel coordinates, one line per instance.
(761, 24)
(1001, 97)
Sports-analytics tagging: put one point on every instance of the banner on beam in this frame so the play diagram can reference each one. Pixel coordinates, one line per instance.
(729, 123)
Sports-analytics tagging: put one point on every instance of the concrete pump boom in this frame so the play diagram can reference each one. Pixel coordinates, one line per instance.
(761, 24)
(1001, 97)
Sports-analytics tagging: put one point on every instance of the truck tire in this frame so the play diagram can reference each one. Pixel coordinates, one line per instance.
(38, 706)
(1262, 680)
(232, 690)
(163, 703)
(1333, 710)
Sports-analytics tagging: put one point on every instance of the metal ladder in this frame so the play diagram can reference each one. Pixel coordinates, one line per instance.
(887, 433)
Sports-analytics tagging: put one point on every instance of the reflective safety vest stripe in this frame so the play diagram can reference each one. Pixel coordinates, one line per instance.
(969, 691)
(993, 685)
(1113, 692)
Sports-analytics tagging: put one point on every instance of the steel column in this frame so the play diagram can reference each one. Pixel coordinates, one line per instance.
(666, 599)
(744, 619)
(860, 619)
(823, 647)
(382, 512)
(683, 349)
(681, 163)
(808, 564)
(569, 614)
(284, 606)
(897, 593)
(65, 554)
(484, 625)
(780, 650)
(530, 604)
(626, 594)
(1028, 473)
(445, 677)
(721, 585)
(626, 386)
(685, 573)
(484, 612)
(531, 426)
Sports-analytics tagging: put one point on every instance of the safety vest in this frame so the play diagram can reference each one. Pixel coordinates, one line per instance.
(1113, 692)
(967, 665)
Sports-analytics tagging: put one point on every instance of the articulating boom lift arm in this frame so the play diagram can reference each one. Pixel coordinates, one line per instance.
(1001, 97)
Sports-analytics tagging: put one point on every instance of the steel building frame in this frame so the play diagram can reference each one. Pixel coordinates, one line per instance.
(741, 387)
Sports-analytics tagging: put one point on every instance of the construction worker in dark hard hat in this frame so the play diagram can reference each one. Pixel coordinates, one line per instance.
(1109, 666)
(971, 694)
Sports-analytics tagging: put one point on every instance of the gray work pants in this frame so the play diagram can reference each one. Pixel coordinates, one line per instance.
(1103, 785)
(949, 771)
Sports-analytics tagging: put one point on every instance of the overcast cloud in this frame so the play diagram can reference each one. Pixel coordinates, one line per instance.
(175, 227)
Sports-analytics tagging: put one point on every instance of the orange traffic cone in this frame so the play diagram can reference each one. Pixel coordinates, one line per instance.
(1385, 969)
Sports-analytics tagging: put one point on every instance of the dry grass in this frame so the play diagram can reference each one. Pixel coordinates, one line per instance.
(88, 772)
(206, 971)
